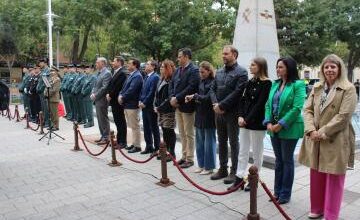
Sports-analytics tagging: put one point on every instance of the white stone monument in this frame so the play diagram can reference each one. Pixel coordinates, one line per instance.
(256, 34)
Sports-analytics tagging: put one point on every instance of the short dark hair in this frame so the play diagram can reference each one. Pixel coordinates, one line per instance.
(120, 59)
(291, 66)
(186, 52)
(154, 63)
(233, 50)
(135, 62)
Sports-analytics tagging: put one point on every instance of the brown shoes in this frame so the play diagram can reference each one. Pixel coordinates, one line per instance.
(221, 173)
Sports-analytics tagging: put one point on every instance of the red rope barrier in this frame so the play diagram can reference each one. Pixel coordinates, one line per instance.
(200, 187)
(87, 149)
(134, 160)
(277, 205)
(38, 124)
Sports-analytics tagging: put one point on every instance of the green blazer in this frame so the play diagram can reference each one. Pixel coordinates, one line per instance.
(289, 114)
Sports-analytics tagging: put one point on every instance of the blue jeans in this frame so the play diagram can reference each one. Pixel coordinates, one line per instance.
(206, 147)
(284, 166)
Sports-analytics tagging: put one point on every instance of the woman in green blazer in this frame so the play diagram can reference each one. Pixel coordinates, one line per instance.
(285, 124)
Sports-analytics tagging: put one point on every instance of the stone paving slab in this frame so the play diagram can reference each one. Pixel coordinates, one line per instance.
(40, 181)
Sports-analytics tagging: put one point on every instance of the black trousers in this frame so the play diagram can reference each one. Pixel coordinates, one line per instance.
(120, 122)
(169, 137)
(35, 106)
(151, 129)
(228, 129)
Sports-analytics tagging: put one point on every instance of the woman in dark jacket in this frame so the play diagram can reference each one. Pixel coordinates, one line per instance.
(204, 121)
(162, 106)
(251, 112)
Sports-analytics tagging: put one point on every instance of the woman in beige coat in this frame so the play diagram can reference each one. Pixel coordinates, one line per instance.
(329, 140)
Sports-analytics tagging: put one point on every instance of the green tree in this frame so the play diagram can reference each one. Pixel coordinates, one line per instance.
(345, 26)
(82, 18)
(301, 30)
(159, 29)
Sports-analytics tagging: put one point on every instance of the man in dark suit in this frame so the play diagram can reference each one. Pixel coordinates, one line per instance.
(151, 128)
(129, 98)
(185, 82)
(115, 86)
(98, 95)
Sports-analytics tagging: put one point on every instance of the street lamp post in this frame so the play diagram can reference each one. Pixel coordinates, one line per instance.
(50, 23)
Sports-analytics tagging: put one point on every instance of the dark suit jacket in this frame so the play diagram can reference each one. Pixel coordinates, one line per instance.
(131, 91)
(148, 90)
(183, 84)
(227, 86)
(115, 85)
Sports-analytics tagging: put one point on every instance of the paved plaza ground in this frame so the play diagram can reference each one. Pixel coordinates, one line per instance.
(40, 181)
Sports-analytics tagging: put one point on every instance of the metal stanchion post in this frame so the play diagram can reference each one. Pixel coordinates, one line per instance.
(253, 181)
(41, 121)
(27, 120)
(17, 114)
(114, 162)
(76, 135)
(164, 181)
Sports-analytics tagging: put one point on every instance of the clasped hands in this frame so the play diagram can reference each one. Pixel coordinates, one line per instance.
(316, 136)
(273, 128)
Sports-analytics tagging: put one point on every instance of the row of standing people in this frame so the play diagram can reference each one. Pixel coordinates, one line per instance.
(227, 103)
(37, 98)
(76, 88)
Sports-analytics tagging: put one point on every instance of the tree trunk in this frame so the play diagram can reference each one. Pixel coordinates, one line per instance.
(75, 48)
(84, 43)
(354, 58)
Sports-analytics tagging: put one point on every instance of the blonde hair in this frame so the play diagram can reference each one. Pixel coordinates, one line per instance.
(209, 67)
(332, 58)
(169, 69)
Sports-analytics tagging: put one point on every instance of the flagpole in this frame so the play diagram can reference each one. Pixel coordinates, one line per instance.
(50, 24)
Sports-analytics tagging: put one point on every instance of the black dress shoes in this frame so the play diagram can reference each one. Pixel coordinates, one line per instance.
(134, 150)
(147, 151)
(187, 164)
(282, 201)
(129, 147)
(181, 161)
(89, 124)
(247, 188)
(122, 146)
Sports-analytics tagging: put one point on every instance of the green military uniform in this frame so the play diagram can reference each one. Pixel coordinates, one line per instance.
(65, 94)
(23, 89)
(40, 88)
(86, 92)
(54, 97)
(75, 104)
(68, 87)
(76, 92)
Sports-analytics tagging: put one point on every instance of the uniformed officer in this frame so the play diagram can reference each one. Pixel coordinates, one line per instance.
(35, 103)
(76, 92)
(45, 72)
(63, 91)
(53, 97)
(86, 92)
(67, 87)
(22, 88)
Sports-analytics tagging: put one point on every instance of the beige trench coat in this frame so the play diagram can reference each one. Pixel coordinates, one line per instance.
(334, 154)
